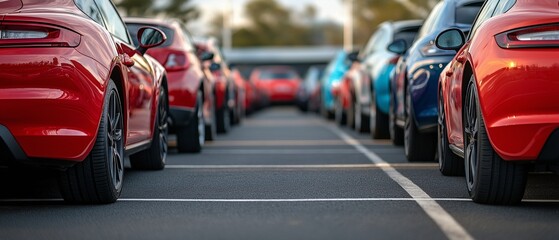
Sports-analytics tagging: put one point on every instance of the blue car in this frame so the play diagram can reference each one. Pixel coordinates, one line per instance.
(413, 115)
(331, 78)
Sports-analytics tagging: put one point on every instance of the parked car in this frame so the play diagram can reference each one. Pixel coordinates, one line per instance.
(278, 84)
(250, 92)
(331, 80)
(497, 107)
(240, 96)
(218, 70)
(308, 95)
(414, 86)
(79, 96)
(190, 92)
(365, 91)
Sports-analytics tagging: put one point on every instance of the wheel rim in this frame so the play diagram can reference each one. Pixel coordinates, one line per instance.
(115, 148)
(407, 125)
(471, 126)
(163, 126)
(201, 123)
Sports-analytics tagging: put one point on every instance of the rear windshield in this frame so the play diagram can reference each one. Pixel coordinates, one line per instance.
(267, 75)
(466, 14)
(134, 27)
(408, 36)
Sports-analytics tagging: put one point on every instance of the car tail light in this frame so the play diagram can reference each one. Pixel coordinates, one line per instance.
(176, 62)
(35, 35)
(532, 37)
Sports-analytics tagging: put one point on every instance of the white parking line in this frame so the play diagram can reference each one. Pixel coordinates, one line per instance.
(281, 151)
(304, 166)
(450, 227)
(47, 200)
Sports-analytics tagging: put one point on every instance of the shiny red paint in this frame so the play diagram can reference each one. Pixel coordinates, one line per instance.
(517, 87)
(184, 71)
(276, 89)
(51, 92)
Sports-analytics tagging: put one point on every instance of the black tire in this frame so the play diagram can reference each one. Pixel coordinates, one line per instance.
(211, 127)
(490, 179)
(417, 146)
(449, 163)
(396, 132)
(154, 157)
(98, 179)
(223, 117)
(191, 138)
(362, 121)
(350, 115)
(378, 120)
(340, 116)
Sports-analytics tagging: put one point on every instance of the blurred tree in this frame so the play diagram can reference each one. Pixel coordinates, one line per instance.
(368, 14)
(179, 9)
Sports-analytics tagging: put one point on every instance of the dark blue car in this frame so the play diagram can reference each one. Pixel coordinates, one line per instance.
(413, 113)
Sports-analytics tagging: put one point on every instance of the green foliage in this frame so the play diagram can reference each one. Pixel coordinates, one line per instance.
(178, 9)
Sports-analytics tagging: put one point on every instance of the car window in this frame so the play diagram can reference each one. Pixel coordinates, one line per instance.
(485, 13)
(466, 14)
(376, 40)
(134, 27)
(504, 6)
(188, 38)
(429, 23)
(407, 35)
(113, 21)
(90, 9)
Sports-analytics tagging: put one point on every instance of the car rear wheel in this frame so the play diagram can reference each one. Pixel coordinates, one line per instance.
(98, 179)
(362, 121)
(417, 146)
(449, 163)
(378, 120)
(154, 157)
(350, 115)
(340, 116)
(490, 179)
(191, 137)
(396, 132)
(223, 117)
(211, 125)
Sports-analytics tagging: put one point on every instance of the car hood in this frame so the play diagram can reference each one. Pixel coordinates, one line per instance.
(9, 6)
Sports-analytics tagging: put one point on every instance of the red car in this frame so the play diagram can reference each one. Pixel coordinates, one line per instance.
(278, 84)
(190, 92)
(76, 95)
(497, 98)
(218, 71)
(250, 103)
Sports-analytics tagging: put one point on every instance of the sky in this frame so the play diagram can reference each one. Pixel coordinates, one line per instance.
(326, 10)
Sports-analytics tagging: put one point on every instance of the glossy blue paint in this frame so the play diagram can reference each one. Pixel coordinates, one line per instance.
(333, 75)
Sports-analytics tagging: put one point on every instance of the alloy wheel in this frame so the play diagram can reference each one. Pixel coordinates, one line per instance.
(115, 144)
(471, 126)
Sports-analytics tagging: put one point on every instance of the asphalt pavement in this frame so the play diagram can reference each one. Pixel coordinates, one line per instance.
(281, 174)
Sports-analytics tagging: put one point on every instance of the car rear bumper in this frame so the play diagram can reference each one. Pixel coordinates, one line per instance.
(51, 102)
(183, 88)
(180, 116)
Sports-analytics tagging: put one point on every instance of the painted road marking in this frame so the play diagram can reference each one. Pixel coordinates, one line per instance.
(276, 143)
(281, 151)
(306, 166)
(46, 200)
(449, 226)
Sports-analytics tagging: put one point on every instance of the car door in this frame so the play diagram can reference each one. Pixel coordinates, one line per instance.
(139, 87)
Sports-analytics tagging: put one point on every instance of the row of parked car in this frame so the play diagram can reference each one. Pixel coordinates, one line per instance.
(81, 89)
(473, 86)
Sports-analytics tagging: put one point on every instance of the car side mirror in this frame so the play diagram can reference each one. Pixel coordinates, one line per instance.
(353, 56)
(207, 56)
(150, 37)
(398, 46)
(215, 67)
(450, 39)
